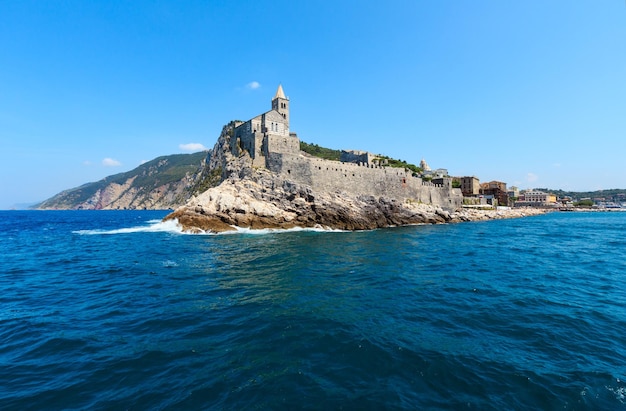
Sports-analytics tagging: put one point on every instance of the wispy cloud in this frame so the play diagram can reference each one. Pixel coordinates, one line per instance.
(109, 162)
(531, 177)
(253, 85)
(192, 147)
(87, 163)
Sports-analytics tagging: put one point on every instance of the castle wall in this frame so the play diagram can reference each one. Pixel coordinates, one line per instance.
(334, 176)
(281, 144)
(356, 156)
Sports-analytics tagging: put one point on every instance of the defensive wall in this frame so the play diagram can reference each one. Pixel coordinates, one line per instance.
(356, 156)
(363, 179)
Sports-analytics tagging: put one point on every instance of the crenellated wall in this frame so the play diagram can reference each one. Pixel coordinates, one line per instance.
(362, 179)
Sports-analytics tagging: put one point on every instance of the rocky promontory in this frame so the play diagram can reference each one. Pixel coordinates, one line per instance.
(257, 198)
(261, 204)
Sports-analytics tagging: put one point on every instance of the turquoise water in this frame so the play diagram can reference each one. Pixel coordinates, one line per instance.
(114, 310)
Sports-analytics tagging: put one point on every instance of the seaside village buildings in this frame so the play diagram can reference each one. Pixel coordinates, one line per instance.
(270, 144)
(495, 193)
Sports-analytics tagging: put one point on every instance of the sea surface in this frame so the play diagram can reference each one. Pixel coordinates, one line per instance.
(116, 310)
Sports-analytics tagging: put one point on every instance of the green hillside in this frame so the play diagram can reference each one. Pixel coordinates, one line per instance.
(148, 176)
(613, 194)
(332, 154)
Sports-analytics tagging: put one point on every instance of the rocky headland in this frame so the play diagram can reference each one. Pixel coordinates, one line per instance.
(259, 198)
(163, 183)
(261, 204)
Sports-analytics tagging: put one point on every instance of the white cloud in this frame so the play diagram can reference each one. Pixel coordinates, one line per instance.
(531, 177)
(109, 162)
(86, 163)
(192, 147)
(143, 162)
(253, 85)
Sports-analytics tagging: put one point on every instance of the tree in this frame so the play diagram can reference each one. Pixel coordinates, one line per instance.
(584, 203)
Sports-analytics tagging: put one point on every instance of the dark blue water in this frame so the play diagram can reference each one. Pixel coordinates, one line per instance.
(111, 310)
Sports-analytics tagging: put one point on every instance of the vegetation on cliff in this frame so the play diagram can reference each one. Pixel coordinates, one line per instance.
(613, 194)
(321, 152)
(143, 180)
(392, 162)
(331, 154)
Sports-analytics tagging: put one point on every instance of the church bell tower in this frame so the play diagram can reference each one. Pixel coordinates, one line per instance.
(280, 103)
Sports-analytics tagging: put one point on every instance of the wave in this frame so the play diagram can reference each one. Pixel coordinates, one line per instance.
(262, 231)
(155, 226)
(172, 226)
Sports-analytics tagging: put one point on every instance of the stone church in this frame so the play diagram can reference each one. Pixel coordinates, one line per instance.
(267, 132)
(266, 138)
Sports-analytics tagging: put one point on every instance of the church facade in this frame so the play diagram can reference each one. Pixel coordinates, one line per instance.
(267, 132)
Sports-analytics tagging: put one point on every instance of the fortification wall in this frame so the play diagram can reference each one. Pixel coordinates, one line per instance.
(363, 179)
(281, 144)
(356, 156)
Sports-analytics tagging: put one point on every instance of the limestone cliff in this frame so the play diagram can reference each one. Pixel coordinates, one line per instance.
(295, 190)
(163, 183)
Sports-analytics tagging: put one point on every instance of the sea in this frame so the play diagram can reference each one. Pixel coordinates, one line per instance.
(116, 310)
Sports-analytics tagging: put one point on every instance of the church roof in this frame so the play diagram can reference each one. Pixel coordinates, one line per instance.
(280, 93)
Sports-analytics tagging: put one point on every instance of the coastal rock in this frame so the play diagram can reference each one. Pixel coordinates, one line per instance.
(257, 198)
(263, 204)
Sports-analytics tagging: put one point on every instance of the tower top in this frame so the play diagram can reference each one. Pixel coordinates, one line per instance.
(280, 93)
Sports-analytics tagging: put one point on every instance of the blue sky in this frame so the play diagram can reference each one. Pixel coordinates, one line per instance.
(531, 92)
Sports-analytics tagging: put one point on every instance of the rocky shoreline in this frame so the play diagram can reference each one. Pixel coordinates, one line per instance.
(261, 204)
(253, 197)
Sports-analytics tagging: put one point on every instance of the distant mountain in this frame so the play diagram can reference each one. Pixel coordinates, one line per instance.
(23, 206)
(163, 183)
(613, 194)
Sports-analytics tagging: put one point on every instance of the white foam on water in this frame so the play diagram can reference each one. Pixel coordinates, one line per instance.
(169, 264)
(172, 226)
(263, 231)
(154, 226)
(619, 392)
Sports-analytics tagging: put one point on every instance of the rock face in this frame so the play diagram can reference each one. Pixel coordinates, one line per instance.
(263, 202)
(165, 182)
(258, 197)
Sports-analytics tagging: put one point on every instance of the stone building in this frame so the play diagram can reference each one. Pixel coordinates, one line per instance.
(513, 192)
(357, 156)
(498, 190)
(267, 132)
(536, 198)
(470, 186)
(270, 144)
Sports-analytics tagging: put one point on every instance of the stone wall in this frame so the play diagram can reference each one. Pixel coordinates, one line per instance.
(281, 155)
(281, 144)
(356, 156)
(250, 142)
(275, 124)
(354, 179)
